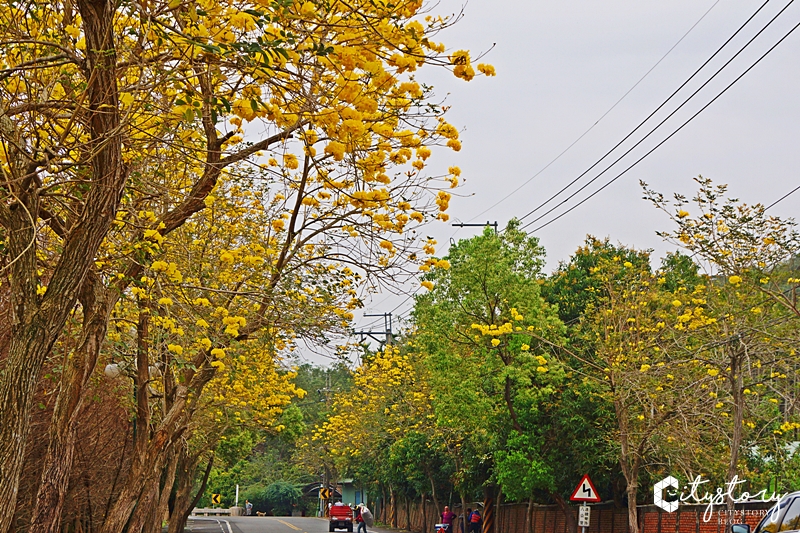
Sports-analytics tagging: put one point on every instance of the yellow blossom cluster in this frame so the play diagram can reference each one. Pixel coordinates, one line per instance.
(388, 400)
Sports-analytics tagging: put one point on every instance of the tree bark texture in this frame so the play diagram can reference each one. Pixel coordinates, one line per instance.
(184, 503)
(433, 493)
(37, 321)
(737, 394)
(423, 511)
(528, 514)
(147, 465)
(161, 507)
(144, 508)
(629, 463)
(78, 369)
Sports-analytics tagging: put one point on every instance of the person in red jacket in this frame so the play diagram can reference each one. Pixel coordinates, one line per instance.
(360, 519)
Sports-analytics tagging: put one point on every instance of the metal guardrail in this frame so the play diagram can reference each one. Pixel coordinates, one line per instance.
(207, 511)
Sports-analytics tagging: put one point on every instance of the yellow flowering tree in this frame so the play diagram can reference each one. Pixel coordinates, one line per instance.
(635, 351)
(749, 349)
(118, 122)
(374, 427)
(736, 241)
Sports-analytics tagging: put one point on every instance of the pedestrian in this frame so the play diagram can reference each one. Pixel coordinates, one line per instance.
(360, 519)
(447, 519)
(465, 520)
(248, 508)
(475, 522)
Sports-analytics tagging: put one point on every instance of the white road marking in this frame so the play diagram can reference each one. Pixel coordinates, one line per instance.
(219, 522)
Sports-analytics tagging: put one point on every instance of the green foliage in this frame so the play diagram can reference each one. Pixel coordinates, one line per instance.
(281, 497)
(258, 460)
(572, 287)
(487, 337)
(679, 271)
(520, 471)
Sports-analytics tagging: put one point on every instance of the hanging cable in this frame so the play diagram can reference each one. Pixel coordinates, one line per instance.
(670, 135)
(596, 122)
(568, 185)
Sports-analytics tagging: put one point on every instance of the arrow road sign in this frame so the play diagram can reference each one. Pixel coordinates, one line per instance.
(216, 499)
(585, 492)
(324, 494)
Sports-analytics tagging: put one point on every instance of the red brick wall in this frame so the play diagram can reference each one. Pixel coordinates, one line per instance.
(605, 518)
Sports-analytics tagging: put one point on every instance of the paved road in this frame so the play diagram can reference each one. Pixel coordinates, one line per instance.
(262, 524)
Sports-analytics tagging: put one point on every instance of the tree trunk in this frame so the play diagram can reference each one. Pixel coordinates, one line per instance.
(161, 507)
(147, 465)
(528, 516)
(633, 516)
(144, 508)
(37, 321)
(569, 517)
(17, 386)
(408, 513)
(78, 369)
(383, 515)
(433, 493)
(464, 517)
(184, 503)
(737, 394)
(499, 516)
(423, 509)
(629, 465)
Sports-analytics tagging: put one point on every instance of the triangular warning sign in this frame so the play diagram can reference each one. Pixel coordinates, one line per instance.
(585, 492)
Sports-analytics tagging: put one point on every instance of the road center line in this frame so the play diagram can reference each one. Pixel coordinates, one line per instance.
(290, 525)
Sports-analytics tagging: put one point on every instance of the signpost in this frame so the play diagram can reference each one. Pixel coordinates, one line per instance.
(216, 499)
(585, 493)
(584, 512)
(324, 494)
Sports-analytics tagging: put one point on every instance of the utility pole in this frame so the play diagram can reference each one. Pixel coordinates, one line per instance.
(326, 476)
(388, 336)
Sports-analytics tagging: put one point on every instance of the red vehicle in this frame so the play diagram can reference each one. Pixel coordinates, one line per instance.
(341, 517)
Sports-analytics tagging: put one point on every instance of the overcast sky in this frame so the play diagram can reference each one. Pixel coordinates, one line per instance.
(562, 64)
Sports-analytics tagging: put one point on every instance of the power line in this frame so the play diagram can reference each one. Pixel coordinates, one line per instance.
(773, 204)
(652, 149)
(509, 195)
(782, 198)
(410, 296)
(665, 102)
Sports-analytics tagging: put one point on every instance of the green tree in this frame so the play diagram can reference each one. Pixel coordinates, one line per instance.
(488, 337)
(282, 496)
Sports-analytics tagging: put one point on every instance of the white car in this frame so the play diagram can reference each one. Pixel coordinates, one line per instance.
(784, 517)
